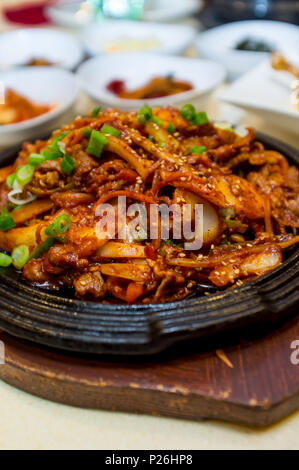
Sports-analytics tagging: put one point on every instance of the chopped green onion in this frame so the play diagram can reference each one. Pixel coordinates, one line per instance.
(10, 180)
(6, 220)
(201, 118)
(171, 128)
(5, 260)
(188, 112)
(24, 174)
(97, 143)
(144, 114)
(20, 256)
(62, 223)
(52, 154)
(50, 230)
(58, 138)
(86, 132)
(227, 212)
(62, 135)
(110, 130)
(150, 137)
(35, 159)
(95, 112)
(45, 246)
(68, 164)
(157, 121)
(199, 149)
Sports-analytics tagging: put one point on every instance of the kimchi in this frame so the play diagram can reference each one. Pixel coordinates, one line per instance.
(17, 108)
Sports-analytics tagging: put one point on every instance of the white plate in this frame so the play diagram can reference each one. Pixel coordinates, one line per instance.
(136, 69)
(18, 47)
(162, 38)
(218, 43)
(64, 14)
(43, 85)
(263, 93)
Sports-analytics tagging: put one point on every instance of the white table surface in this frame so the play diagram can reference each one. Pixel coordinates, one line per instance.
(28, 422)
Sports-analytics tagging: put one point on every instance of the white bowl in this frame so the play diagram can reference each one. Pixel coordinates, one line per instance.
(263, 92)
(18, 47)
(136, 69)
(67, 14)
(159, 37)
(218, 43)
(43, 85)
(171, 10)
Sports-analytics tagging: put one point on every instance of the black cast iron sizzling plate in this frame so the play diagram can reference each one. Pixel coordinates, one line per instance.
(60, 321)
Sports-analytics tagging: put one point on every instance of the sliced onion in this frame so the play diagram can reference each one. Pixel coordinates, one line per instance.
(17, 186)
(224, 125)
(20, 202)
(211, 222)
(61, 146)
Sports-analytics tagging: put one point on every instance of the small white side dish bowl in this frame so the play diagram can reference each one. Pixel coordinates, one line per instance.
(42, 85)
(170, 10)
(263, 92)
(68, 14)
(136, 69)
(219, 43)
(132, 36)
(18, 47)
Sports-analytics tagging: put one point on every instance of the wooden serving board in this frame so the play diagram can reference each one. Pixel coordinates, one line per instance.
(261, 388)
